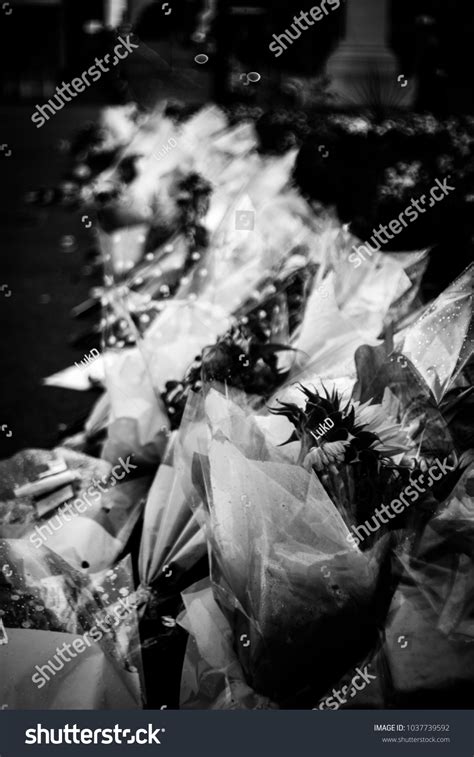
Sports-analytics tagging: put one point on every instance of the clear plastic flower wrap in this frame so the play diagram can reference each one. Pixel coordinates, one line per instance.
(425, 652)
(172, 555)
(172, 289)
(421, 378)
(48, 609)
(440, 343)
(247, 356)
(350, 307)
(430, 626)
(300, 602)
(169, 332)
(238, 655)
(172, 541)
(212, 676)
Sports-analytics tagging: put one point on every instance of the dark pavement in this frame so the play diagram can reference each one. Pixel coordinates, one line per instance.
(45, 281)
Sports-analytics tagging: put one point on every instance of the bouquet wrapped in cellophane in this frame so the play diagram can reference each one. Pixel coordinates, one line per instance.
(433, 607)
(67, 640)
(425, 655)
(238, 272)
(314, 523)
(432, 569)
(172, 556)
(301, 602)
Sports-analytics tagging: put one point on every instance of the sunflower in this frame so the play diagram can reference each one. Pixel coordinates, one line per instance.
(350, 446)
(358, 431)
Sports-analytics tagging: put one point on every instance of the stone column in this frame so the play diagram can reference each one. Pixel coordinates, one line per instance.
(363, 61)
(113, 13)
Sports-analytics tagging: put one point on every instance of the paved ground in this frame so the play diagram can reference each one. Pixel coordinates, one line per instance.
(44, 281)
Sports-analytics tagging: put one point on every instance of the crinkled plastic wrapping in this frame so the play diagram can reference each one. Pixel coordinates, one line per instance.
(104, 516)
(348, 307)
(172, 556)
(46, 605)
(388, 377)
(174, 302)
(212, 675)
(413, 390)
(200, 311)
(441, 343)
(138, 282)
(426, 651)
(172, 540)
(363, 289)
(430, 627)
(123, 249)
(298, 599)
(131, 409)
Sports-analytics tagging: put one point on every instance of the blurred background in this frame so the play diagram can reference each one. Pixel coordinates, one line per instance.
(47, 41)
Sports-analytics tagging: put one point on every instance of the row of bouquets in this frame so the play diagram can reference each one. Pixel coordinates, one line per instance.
(279, 624)
(290, 611)
(292, 608)
(260, 231)
(276, 541)
(240, 276)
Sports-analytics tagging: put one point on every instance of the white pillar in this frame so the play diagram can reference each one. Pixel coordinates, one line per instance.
(113, 12)
(363, 56)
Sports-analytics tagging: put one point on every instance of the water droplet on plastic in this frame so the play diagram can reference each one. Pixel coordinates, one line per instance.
(68, 243)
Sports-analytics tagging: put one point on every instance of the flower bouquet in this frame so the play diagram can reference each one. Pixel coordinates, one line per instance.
(67, 640)
(284, 575)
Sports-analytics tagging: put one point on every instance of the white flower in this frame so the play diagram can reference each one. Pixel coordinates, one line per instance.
(320, 457)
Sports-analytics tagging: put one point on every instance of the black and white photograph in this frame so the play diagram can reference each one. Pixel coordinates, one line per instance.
(237, 406)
